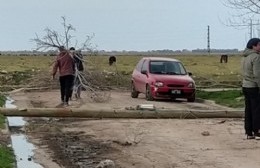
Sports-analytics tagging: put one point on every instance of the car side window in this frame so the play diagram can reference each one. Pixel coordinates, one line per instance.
(145, 66)
(182, 69)
(139, 65)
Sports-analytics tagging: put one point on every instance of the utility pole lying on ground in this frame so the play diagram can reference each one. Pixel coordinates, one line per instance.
(110, 113)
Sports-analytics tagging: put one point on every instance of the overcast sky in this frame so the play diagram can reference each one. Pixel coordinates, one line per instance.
(122, 24)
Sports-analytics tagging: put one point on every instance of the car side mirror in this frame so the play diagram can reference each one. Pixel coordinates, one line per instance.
(144, 72)
(189, 73)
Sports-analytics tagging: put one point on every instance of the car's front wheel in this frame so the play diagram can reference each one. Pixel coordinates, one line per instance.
(148, 94)
(134, 93)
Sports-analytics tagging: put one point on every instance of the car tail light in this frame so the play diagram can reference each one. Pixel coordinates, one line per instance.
(191, 85)
(158, 84)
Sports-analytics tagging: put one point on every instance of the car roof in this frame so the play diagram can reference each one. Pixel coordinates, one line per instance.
(161, 59)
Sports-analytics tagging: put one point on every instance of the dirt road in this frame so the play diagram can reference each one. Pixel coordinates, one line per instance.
(132, 143)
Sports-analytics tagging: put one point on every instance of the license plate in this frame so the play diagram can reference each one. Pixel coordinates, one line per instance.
(176, 92)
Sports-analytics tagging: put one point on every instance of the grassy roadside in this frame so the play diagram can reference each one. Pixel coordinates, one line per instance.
(6, 153)
(2, 119)
(230, 98)
(6, 157)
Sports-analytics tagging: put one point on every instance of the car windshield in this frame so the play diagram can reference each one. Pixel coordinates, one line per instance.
(167, 67)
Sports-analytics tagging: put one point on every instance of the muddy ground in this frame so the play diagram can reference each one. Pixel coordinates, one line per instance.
(136, 143)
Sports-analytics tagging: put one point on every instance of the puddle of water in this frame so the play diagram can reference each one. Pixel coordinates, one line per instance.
(16, 121)
(13, 121)
(23, 150)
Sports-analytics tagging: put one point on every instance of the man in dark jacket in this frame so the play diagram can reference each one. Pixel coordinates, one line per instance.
(78, 61)
(65, 64)
(251, 88)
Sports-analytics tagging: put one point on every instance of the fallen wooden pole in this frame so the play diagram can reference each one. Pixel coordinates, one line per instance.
(110, 113)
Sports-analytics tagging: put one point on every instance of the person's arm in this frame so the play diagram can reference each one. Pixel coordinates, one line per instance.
(55, 68)
(256, 69)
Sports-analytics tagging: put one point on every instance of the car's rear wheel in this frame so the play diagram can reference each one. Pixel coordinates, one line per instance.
(148, 94)
(134, 93)
(191, 99)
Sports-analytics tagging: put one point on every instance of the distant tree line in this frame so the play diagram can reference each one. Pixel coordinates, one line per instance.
(216, 51)
(103, 52)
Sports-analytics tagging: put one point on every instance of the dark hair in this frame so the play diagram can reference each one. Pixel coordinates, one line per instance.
(252, 42)
(72, 48)
(61, 48)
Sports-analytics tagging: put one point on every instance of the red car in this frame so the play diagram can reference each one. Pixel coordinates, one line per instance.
(158, 77)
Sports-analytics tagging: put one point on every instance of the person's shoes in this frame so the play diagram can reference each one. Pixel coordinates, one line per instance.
(66, 104)
(60, 105)
(250, 137)
(257, 136)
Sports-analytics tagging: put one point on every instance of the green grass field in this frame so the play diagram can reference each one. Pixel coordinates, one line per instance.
(207, 70)
(204, 66)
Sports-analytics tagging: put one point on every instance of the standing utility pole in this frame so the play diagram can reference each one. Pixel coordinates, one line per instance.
(250, 24)
(208, 40)
(251, 28)
(258, 29)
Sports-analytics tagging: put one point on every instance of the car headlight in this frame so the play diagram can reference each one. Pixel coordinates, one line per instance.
(158, 84)
(191, 85)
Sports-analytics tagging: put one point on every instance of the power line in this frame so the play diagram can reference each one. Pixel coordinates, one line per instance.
(249, 25)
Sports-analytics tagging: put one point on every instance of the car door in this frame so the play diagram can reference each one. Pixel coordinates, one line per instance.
(136, 77)
(144, 77)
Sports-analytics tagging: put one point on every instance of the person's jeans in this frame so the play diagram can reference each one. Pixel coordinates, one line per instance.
(252, 110)
(66, 84)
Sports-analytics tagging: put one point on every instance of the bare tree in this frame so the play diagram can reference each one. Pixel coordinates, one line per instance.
(244, 14)
(246, 7)
(54, 39)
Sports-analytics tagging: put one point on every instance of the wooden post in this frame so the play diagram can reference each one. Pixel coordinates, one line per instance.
(110, 113)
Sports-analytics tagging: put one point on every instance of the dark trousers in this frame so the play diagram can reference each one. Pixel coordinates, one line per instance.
(252, 110)
(66, 84)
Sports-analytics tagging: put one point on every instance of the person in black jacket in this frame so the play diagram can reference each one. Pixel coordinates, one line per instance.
(79, 68)
(250, 85)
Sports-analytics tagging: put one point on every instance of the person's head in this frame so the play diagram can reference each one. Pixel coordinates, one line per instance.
(61, 48)
(72, 49)
(254, 44)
